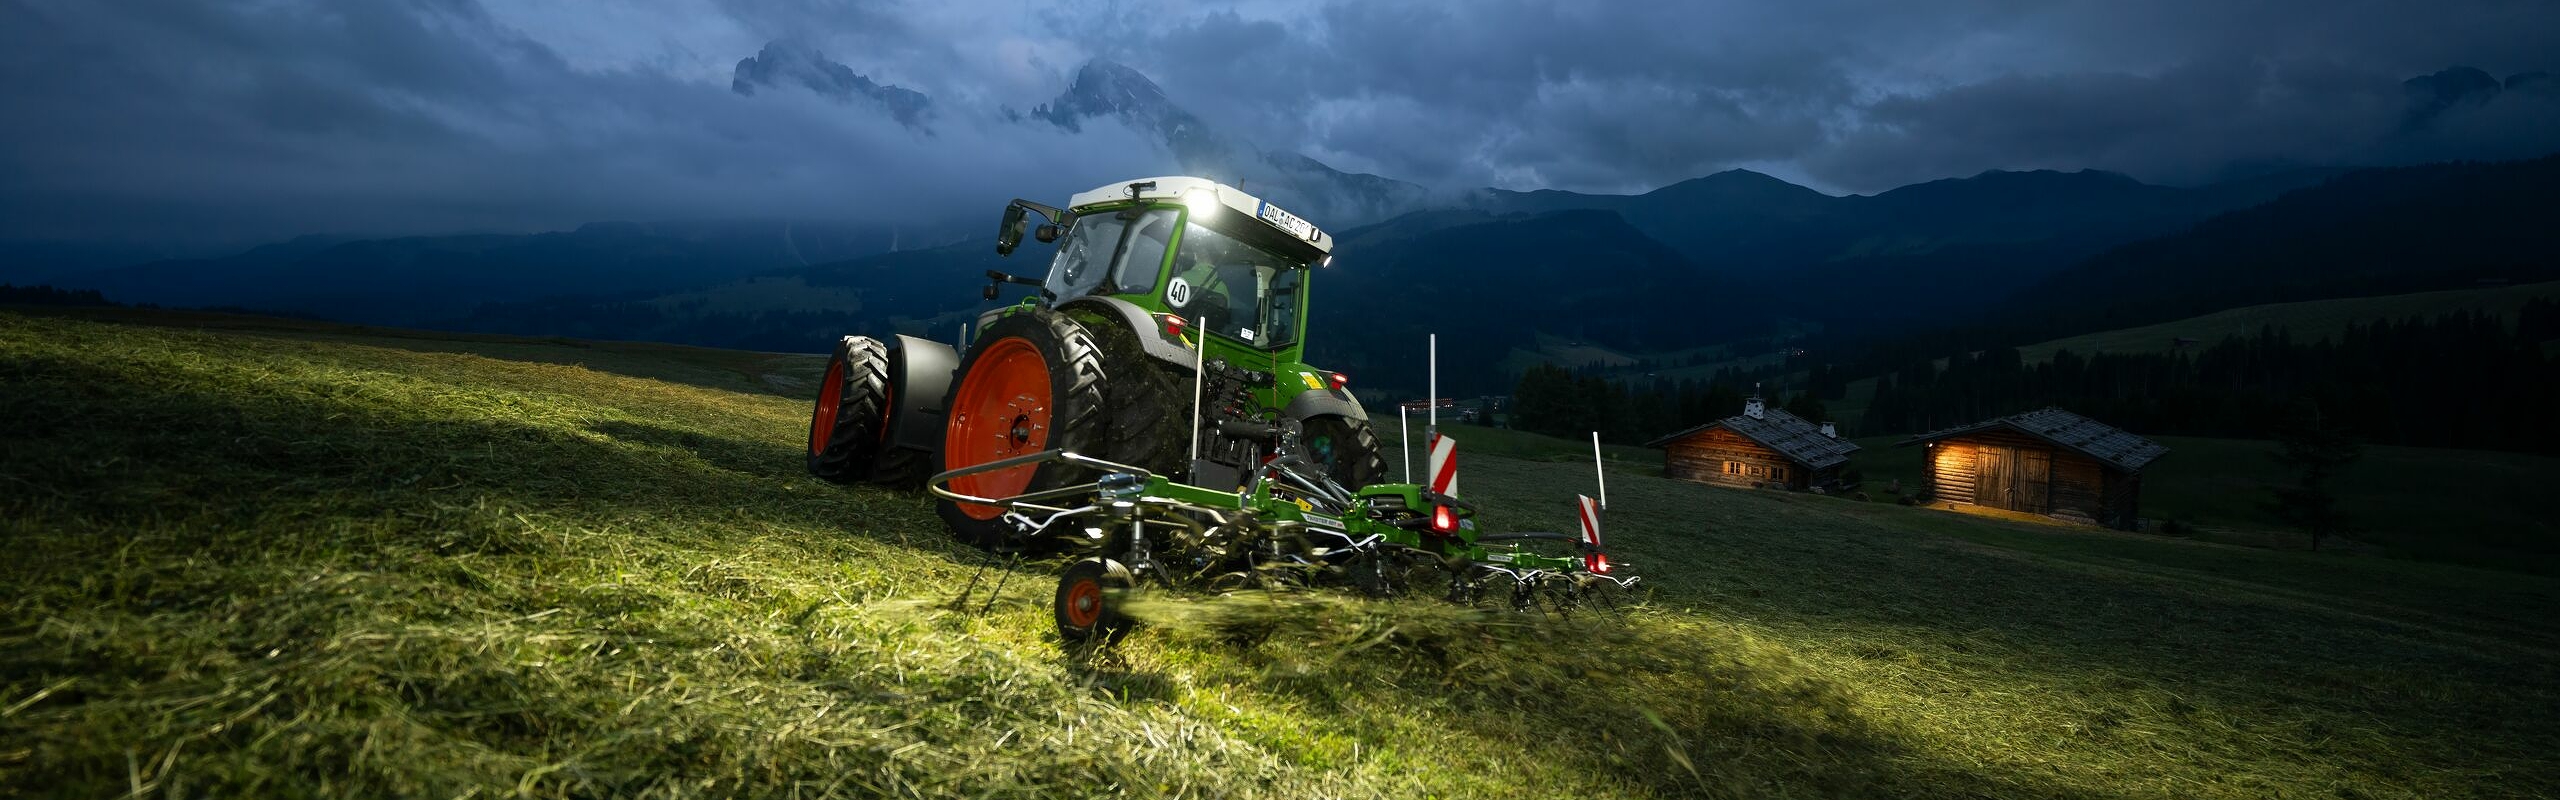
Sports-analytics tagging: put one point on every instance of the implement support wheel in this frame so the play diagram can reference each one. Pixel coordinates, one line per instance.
(1087, 610)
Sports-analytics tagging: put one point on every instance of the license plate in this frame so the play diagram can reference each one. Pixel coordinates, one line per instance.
(1288, 222)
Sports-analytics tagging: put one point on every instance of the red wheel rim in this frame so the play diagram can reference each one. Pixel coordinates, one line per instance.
(1084, 603)
(822, 427)
(888, 405)
(1001, 411)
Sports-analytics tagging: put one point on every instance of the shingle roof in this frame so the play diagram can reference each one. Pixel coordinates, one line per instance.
(1799, 441)
(2087, 436)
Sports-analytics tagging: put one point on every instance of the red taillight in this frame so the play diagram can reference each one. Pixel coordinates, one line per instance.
(1598, 563)
(1174, 326)
(1444, 520)
(1340, 380)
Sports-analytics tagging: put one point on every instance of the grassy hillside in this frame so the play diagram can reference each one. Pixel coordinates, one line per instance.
(2309, 320)
(1475, 441)
(296, 562)
(2460, 505)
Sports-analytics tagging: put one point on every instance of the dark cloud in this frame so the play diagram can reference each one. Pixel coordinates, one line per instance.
(240, 121)
(237, 123)
(2187, 124)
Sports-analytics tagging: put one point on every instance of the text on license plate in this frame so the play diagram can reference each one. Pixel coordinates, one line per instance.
(1288, 222)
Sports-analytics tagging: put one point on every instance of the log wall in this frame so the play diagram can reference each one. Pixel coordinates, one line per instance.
(1714, 454)
(2070, 481)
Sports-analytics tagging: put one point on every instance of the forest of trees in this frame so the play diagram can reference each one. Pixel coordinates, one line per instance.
(2463, 380)
(1554, 401)
(46, 295)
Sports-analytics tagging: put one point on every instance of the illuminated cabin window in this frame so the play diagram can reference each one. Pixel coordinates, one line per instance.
(1733, 467)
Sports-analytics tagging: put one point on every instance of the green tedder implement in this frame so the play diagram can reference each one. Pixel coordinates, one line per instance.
(1167, 341)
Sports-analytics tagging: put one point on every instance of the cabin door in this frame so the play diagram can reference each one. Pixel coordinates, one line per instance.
(2014, 479)
(1994, 477)
(2034, 480)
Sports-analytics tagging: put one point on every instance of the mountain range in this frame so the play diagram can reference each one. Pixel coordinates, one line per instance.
(1727, 256)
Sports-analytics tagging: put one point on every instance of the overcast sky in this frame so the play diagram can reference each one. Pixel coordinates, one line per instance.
(255, 119)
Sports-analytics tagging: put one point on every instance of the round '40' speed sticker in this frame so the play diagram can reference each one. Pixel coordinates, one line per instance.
(1178, 292)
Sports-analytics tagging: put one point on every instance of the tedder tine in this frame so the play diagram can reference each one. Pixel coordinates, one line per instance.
(1009, 564)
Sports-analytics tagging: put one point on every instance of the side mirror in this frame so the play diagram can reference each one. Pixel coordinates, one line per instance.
(1045, 233)
(1009, 235)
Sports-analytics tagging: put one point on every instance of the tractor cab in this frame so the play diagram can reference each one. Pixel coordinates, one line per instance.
(1222, 261)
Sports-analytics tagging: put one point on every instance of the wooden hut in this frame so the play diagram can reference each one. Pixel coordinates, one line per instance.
(1757, 447)
(2041, 462)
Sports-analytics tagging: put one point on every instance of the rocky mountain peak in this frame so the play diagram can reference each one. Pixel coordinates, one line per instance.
(1105, 88)
(783, 63)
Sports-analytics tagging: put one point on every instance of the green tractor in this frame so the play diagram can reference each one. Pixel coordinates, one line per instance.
(1168, 334)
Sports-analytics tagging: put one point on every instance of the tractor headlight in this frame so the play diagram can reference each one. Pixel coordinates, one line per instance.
(1203, 202)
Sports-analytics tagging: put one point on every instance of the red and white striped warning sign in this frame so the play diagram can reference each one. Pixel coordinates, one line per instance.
(1593, 559)
(1443, 465)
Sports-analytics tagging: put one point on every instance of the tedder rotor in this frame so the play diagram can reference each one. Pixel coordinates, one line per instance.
(1149, 413)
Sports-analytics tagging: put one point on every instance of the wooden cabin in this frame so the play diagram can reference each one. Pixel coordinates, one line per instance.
(1758, 447)
(2041, 462)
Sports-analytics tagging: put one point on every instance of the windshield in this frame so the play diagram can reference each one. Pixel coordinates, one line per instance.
(1236, 289)
(1127, 247)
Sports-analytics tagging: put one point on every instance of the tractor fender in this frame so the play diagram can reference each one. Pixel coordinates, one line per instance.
(1139, 322)
(920, 372)
(1318, 402)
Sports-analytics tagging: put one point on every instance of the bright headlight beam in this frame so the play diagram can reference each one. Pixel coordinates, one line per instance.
(1201, 201)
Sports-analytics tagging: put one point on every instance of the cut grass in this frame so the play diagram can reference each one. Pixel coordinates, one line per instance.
(284, 564)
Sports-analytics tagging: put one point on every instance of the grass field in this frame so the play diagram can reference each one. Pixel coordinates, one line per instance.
(2454, 505)
(289, 561)
(1477, 440)
(2311, 320)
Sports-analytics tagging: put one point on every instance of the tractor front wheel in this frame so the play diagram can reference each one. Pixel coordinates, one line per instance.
(1033, 382)
(1150, 409)
(1087, 609)
(1346, 449)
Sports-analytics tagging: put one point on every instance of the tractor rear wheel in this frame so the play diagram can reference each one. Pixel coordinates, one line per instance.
(1346, 449)
(849, 427)
(1086, 609)
(1033, 382)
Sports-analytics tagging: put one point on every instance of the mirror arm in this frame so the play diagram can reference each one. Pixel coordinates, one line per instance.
(1053, 214)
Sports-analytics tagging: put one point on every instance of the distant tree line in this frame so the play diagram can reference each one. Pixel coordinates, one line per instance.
(2464, 380)
(1555, 401)
(46, 295)
(684, 323)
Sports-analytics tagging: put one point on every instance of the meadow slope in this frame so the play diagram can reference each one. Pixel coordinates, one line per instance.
(290, 560)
